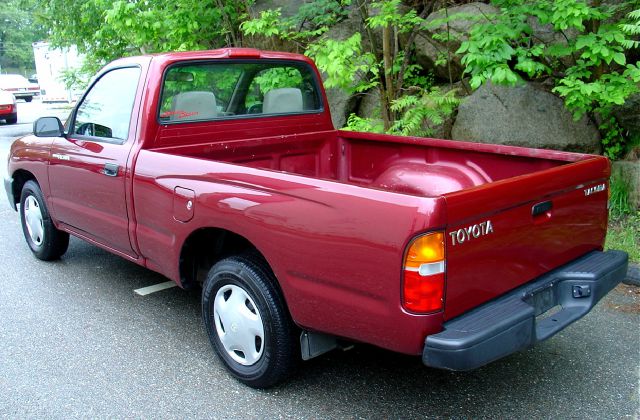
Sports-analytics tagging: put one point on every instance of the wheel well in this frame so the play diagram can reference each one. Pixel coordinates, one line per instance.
(205, 247)
(20, 177)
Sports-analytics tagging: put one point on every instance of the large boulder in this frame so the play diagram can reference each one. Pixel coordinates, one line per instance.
(341, 105)
(430, 51)
(629, 171)
(523, 116)
(370, 105)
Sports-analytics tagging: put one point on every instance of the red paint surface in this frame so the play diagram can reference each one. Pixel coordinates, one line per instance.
(332, 211)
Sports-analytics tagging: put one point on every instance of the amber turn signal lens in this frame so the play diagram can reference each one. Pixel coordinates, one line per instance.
(427, 248)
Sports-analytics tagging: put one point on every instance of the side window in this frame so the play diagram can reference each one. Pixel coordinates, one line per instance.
(106, 109)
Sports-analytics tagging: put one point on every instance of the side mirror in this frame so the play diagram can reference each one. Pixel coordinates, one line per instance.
(48, 127)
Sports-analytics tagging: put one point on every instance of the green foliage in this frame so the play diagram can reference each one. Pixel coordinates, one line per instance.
(351, 65)
(106, 29)
(17, 32)
(445, 36)
(311, 21)
(632, 28)
(345, 63)
(74, 78)
(418, 113)
(428, 105)
(278, 77)
(321, 13)
(619, 203)
(612, 139)
(624, 226)
(270, 23)
(371, 125)
(389, 14)
(624, 234)
(587, 61)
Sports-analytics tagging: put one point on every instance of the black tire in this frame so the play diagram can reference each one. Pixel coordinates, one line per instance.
(279, 346)
(28, 98)
(12, 120)
(52, 243)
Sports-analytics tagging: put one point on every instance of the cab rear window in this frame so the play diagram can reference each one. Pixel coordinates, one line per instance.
(206, 91)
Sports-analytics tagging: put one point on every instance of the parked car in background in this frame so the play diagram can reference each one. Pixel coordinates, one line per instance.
(19, 86)
(8, 109)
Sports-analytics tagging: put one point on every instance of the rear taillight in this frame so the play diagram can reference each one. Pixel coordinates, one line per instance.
(424, 269)
(6, 108)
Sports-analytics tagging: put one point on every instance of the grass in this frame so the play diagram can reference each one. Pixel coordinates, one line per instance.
(624, 234)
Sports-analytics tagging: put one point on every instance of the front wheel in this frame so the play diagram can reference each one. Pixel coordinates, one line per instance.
(46, 242)
(247, 321)
(28, 99)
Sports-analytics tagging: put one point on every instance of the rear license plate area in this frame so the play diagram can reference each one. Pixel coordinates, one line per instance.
(542, 299)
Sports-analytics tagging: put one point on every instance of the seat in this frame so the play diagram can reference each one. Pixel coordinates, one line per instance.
(278, 101)
(196, 105)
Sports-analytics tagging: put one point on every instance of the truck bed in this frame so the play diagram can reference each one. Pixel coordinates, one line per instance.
(478, 183)
(423, 167)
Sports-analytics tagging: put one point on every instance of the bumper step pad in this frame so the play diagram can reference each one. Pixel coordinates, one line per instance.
(510, 323)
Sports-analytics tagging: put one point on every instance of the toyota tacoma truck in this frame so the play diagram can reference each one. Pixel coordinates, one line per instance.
(222, 170)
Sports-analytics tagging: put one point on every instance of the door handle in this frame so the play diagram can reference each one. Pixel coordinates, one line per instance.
(110, 169)
(541, 208)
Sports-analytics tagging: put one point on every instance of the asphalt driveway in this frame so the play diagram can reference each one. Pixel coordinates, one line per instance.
(76, 341)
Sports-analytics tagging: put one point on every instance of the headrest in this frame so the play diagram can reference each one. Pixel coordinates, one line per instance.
(278, 101)
(197, 105)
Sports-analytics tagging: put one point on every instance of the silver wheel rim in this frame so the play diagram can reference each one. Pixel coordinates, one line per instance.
(238, 324)
(33, 220)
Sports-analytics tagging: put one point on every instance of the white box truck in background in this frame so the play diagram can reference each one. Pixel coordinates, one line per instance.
(51, 63)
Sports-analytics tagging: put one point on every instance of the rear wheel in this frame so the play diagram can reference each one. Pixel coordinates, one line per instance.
(12, 120)
(46, 242)
(29, 98)
(247, 321)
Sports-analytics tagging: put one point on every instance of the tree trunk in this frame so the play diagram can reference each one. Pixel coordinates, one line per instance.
(232, 39)
(594, 26)
(388, 68)
(384, 103)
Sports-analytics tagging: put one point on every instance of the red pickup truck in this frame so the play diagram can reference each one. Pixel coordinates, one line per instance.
(222, 170)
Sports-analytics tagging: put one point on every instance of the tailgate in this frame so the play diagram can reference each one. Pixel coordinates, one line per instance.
(504, 234)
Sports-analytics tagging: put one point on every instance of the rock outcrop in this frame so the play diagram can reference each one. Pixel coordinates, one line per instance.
(629, 172)
(523, 116)
(429, 52)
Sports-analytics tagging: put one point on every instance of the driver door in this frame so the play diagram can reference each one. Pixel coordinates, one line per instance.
(88, 169)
